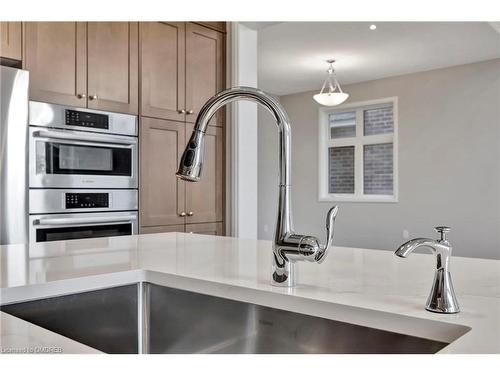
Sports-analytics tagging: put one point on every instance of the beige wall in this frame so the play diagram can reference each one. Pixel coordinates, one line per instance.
(449, 163)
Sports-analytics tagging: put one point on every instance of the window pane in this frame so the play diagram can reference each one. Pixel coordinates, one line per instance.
(341, 170)
(378, 169)
(342, 124)
(378, 121)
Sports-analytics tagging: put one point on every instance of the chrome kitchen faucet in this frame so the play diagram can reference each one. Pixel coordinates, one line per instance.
(288, 247)
(442, 298)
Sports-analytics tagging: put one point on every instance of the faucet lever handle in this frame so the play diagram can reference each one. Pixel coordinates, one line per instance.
(330, 223)
(442, 230)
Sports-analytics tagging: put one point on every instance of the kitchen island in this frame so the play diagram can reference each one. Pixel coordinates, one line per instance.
(370, 288)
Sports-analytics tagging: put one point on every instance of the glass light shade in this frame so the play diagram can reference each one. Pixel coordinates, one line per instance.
(331, 98)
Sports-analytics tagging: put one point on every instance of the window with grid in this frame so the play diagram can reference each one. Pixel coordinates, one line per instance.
(358, 152)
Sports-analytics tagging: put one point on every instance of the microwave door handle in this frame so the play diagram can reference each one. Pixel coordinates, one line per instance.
(108, 139)
(87, 220)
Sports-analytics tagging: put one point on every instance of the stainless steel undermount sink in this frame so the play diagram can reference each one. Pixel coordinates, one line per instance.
(148, 318)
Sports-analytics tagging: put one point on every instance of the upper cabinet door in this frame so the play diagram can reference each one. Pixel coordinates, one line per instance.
(163, 70)
(113, 64)
(204, 199)
(161, 194)
(204, 69)
(56, 56)
(10, 40)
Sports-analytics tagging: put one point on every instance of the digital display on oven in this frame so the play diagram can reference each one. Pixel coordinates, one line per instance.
(87, 119)
(87, 200)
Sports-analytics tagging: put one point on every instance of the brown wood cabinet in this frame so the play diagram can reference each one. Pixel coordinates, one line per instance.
(161, 194)
(204, 69)
(113, 66)
(10, 40)
(163, 70)
(56, 57)
(164, 199)
(182, 66)
(92, 65)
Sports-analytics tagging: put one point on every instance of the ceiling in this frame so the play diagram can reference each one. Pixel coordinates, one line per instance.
(292, 54)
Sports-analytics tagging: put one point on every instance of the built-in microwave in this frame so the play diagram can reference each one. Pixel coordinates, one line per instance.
(74, 159)
(77, 148)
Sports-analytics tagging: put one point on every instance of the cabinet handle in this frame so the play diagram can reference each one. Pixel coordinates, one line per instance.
(181, 111)
(93, 97)
(190, 112)
(81, 96)
(190, 213)
(182, 214)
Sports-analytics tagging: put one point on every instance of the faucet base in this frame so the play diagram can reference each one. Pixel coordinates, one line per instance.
(442, 297)
(285, 275)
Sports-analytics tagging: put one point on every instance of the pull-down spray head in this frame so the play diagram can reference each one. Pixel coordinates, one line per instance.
(191, 162)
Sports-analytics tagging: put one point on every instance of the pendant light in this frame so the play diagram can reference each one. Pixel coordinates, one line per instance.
(335, 95)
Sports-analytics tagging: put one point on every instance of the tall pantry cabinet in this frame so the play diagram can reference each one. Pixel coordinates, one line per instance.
(182, 66)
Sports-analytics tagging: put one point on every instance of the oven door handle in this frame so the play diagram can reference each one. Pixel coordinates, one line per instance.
(104, 138)
(85, 220)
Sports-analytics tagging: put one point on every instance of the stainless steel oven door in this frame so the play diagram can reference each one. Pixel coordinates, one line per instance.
(57, 227)
(73, 159)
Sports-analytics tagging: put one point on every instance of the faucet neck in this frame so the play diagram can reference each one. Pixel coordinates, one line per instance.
(284, 225)
(268, 102)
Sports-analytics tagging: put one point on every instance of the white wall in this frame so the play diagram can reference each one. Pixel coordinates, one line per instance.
(244, 135)
(449, 163)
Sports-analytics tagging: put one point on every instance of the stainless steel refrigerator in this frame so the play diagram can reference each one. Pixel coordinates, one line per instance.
(13, 155)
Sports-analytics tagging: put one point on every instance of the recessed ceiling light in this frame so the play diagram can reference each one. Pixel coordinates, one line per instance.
(373, 27)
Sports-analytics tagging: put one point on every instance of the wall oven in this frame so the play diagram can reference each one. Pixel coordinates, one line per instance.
(77, 226)
(73, 148)
(64, 214)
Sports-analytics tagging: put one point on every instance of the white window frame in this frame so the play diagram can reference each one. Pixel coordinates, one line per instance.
(358, 142)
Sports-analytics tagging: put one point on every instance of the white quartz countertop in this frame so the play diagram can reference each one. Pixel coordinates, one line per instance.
(367, 287)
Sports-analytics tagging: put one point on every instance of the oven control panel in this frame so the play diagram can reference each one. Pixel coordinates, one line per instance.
(87, 119)
(87, 200)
